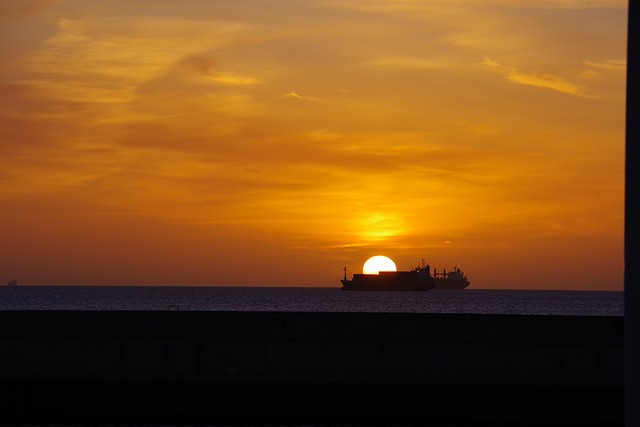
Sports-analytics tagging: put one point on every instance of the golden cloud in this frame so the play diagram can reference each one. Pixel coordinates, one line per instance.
(294, 95)
(546, 81)
(541, 80)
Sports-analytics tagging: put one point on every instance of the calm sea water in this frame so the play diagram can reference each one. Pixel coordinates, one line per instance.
(578, 303)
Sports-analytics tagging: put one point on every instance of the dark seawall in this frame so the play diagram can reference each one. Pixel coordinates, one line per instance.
(309, 368)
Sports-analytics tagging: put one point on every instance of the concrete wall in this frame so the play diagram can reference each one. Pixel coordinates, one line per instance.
(334, 368)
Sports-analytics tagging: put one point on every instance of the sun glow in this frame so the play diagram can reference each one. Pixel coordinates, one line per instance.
(378, 263)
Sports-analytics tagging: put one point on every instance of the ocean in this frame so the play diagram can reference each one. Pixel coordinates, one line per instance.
(471, 301)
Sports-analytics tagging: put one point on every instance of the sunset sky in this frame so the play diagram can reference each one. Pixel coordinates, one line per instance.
(272, 142)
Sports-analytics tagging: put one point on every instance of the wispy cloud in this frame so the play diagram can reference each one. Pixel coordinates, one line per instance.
(232, 79)
(129, 51)
(409, 62)
(295, 95)
(601, 70)
(609, 64)
(546, 81)
(537, 79)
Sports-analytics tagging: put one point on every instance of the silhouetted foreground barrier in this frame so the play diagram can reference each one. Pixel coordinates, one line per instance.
(309, 368)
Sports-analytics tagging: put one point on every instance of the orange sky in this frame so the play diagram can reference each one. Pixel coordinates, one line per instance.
(272, 142)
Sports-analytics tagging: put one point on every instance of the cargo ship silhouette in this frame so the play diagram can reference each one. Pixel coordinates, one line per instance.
(416, 279)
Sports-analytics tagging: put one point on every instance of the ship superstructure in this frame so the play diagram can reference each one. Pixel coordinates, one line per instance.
(455, 279)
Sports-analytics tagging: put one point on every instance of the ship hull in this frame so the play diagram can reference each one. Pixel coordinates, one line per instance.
(401, 281)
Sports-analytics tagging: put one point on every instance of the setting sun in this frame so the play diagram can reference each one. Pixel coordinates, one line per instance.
(378, 263)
